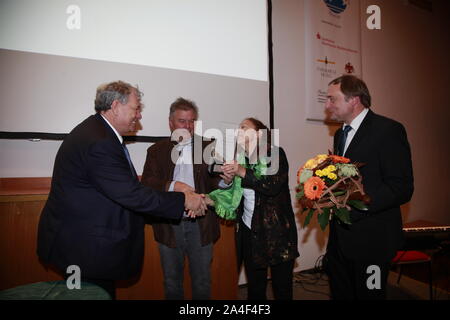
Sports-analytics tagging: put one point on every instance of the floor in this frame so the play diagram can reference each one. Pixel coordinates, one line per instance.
(413, 285)
(314, 286)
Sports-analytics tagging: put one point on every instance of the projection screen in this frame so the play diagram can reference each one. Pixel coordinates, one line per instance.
(54, 54)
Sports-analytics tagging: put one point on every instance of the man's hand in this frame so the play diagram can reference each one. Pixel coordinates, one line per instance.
(195, 204)
(182, 187)
(195, 214)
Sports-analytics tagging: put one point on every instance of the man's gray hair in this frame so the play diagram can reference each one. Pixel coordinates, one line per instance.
(183, 104)
(109, 92)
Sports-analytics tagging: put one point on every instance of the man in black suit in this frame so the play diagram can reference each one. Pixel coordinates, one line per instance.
(358, 255)
(92, 218)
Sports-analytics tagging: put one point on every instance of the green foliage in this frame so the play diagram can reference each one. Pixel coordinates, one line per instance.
(308, 217)
(323, 218)
(300, 194)
(357, 204)
(343, 215)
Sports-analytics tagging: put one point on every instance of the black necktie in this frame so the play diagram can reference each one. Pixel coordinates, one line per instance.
(341, 145)
(127, 154)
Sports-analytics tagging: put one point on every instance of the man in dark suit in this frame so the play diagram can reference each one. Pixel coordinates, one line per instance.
(92, 218)
(172, 165)
(358, 255)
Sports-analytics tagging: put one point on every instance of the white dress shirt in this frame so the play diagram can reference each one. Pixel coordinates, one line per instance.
(184, 168)
(115, 131)
(184, 171)
(355, 124)
(249, 207)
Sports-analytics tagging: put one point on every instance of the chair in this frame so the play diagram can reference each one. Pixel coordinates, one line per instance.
(413, 257)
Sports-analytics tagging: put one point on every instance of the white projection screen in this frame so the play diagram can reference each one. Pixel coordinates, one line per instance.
(54, 54)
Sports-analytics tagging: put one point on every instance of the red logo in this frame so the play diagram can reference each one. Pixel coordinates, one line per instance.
(349, 68)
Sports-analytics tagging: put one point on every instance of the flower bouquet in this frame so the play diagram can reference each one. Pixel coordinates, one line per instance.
(330, 185)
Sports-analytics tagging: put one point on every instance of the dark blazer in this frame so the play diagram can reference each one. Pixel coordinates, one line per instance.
(274, 230)
(91, 216)
(381, 144)
(158, 174)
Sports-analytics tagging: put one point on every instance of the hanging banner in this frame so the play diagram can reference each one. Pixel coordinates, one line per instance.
(333, 48)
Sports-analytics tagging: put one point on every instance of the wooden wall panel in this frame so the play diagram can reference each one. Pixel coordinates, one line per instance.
(18, 233)
(19, 218)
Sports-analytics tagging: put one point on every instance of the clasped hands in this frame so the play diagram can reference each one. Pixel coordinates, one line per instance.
(194, 203)
(197, 204)
(230, 170)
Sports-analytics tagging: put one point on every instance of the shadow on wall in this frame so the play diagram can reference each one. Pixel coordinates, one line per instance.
(321, 236)
(406, 210)
(332, 127)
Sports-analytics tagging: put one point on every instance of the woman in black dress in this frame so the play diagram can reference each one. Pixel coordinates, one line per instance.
(266, 234)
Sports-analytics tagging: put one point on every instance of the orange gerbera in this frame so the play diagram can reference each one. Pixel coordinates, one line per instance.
(339, 159)
(314, 187)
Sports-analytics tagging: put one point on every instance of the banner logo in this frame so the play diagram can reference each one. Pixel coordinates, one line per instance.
(349, 68)
(336, 6)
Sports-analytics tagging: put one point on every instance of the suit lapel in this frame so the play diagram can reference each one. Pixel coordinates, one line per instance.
(171, 167)
(134, 170)
(115, 138)
(361, 134)
(107, 126)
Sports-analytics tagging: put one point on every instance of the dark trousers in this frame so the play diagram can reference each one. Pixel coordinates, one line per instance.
(188, 241)
(354, 279)
(281, 274)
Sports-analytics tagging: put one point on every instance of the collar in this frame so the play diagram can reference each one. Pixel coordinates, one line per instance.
(356, 123)
(115, 131)
(184, 144)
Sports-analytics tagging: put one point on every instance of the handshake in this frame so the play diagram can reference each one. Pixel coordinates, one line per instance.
(197, 204)
(194, 203)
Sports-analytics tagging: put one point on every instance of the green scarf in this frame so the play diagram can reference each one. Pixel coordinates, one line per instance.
(226, 201)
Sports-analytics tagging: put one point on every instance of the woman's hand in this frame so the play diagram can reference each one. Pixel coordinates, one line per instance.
(227, 177)
(233, 168)
(209, 201)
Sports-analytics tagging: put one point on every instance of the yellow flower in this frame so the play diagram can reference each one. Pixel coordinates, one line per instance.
(310, 164)
(321, 158)
(314, 162)
(331, 168)
(332, 176)
(320, 173)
